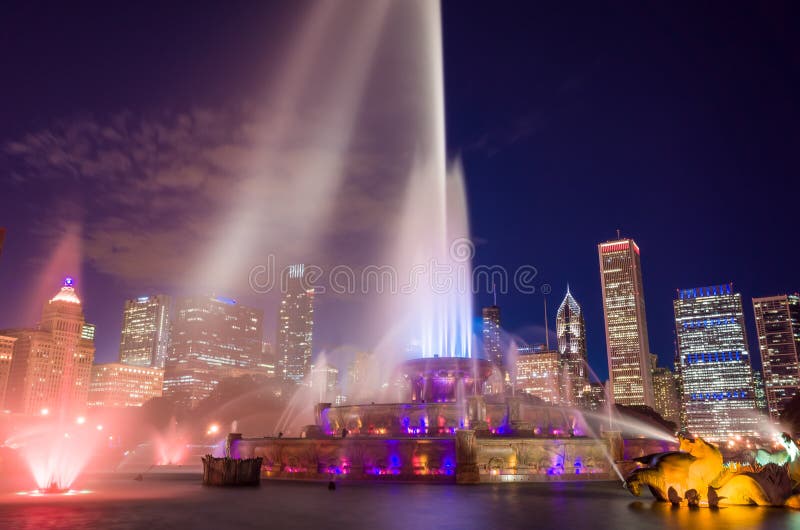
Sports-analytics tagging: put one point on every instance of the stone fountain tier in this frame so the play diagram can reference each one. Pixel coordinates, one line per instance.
(445, 379)
(464, 458)
(521, 416)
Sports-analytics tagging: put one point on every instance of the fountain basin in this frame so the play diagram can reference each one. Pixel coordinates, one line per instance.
(464, 458)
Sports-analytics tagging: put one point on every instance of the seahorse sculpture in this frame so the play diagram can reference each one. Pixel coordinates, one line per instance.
(696, 474)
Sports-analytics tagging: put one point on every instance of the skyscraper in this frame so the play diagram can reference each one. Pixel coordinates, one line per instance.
(296, 326)
(491, 335)
(626, 324)
(571, 333)
(212, 338)
(51, 365)
(6, 354)
(145, 331)
(715, 362)
(665, 393)
(778, 327)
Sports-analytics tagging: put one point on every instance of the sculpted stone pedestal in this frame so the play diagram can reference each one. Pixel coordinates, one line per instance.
(466, 457)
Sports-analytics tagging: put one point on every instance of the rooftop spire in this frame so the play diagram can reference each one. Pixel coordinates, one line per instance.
(67, 292)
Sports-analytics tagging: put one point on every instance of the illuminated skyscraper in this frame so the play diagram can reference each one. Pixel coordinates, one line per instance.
(626, 324)
(715, 363)
(571, 332)
(212, 338)
(296, 326)
(665, 393)
(145, 331)
(491, 335)
(6, 354)
(51, 366)
(778, 327)
(123, 385)
(539, 374)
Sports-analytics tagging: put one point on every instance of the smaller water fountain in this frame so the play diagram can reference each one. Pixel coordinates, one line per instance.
(56, 452)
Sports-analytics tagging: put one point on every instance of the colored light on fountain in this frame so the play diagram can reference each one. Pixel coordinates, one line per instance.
(50, 492)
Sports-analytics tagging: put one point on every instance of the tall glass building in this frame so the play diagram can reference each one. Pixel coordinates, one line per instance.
(778, 327)
(718, 393)
(491, 334)
(626, 324)
(145, 331)
(571, 333)
(212, 338)
(296, 326)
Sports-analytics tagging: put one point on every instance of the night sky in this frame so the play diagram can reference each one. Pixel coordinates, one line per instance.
(674, 123)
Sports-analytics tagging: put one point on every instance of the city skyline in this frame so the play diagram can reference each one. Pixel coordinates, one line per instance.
(544, 143)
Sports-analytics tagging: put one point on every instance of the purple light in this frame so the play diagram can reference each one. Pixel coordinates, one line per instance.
(68, 281)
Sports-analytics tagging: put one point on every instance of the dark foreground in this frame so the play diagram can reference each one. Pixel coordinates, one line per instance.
(181, 502)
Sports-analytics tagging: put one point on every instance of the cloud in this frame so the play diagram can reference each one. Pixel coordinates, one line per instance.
(156, 195)
(314, 171)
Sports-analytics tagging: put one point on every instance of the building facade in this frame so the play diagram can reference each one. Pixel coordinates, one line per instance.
(778, 328)
(296, 326)
(539, 374)
(51, 364)
(571, 333)
(717, 379)
(491, 335)
(145, 331)
(117, 385)
(212, 338)
(666, 394)
(627, 342)
(6, 354)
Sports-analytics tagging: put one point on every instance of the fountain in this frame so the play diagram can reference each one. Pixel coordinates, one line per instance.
(420, 411)
(55, 452)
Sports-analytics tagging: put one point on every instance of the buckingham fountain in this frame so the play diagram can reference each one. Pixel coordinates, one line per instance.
(441, 424)
(429, 415)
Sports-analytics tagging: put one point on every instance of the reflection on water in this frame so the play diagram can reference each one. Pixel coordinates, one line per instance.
(723, 517)
(172, 502)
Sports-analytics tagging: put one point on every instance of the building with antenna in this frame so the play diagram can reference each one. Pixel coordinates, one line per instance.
(625, 321)
(571, 333)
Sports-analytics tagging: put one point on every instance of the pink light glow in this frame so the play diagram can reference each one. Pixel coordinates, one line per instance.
(170, 445)
(55, 453)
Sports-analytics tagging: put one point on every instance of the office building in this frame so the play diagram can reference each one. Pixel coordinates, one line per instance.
(625, 321)
(296, 326)
(145, 331)
(212, 338)
(718, 392)
(491, 335)
(778, 328)
(571, 333)
(116, 385)
(51, 364)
